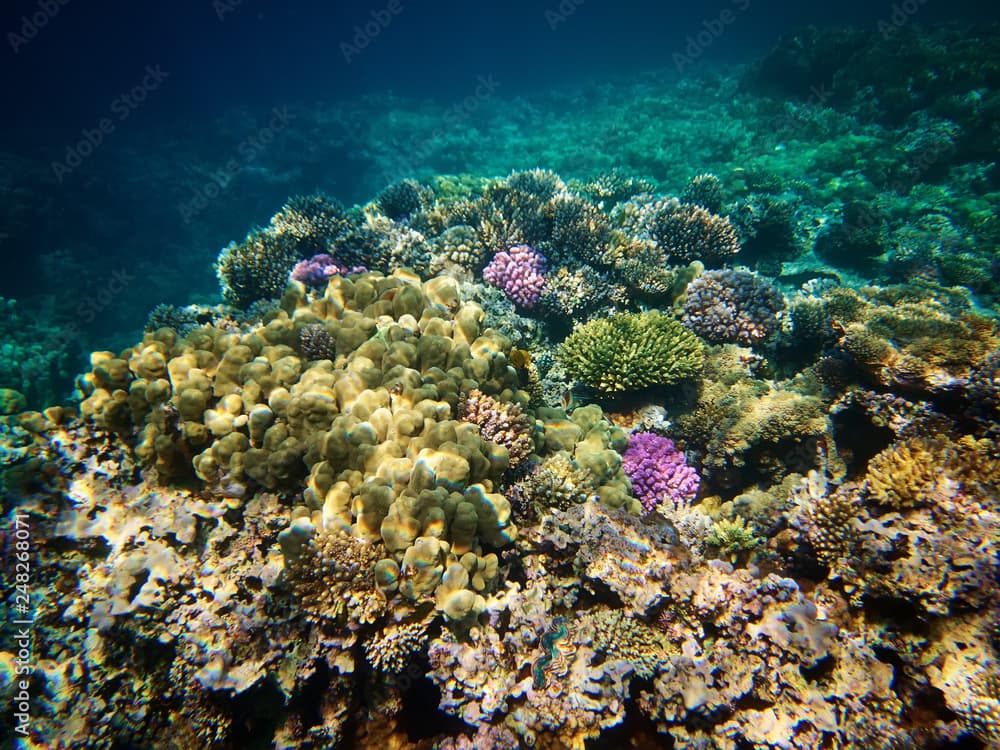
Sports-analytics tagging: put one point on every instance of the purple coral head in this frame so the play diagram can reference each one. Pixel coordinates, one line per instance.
(658, 471)
(519, 273)
(319, 269)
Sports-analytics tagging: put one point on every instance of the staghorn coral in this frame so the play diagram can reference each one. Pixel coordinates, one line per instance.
(631, 351)
(768, 230)
(733, 306)
(642, 266)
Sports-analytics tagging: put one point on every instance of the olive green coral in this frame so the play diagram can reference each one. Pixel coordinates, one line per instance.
(629, 351)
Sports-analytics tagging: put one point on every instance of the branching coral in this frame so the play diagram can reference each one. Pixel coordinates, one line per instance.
(658, 471)
(503, 424)
(519, 273)
(256, 268)
(332, 574)
(557, 483)
(630, 351)
(687, 232)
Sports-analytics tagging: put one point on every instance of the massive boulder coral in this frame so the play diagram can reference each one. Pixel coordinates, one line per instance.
(373, 429)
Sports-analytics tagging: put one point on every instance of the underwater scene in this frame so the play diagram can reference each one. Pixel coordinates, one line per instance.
(558, 375)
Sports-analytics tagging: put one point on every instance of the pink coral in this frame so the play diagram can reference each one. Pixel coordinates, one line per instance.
(519, 273)
(658, 471)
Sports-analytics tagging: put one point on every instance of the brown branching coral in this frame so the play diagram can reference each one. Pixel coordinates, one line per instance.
(504, 424)
(828, 519)
(918, 470)
(909, 474)
(687, 232)
(333, 576)
(392, 648)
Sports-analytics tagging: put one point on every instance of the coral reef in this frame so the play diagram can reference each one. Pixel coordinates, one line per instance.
(365, 490)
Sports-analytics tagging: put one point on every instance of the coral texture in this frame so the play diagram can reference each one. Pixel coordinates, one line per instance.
(519, 273)
(732, 306)
(658, 471)
(631, 351)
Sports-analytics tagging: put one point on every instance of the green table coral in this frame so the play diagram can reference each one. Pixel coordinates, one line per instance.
(630, 351)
